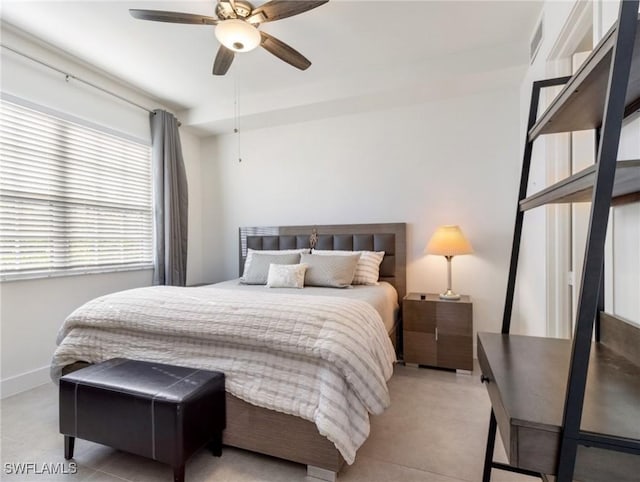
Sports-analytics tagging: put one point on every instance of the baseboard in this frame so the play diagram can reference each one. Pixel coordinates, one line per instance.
(23, 382)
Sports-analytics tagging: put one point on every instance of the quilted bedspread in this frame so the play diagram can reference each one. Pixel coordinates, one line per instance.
(324, 359)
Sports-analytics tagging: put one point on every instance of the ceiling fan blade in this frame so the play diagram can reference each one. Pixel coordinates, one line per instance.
(277, 9)
(223, 60)
(172, 17)
(284, 52)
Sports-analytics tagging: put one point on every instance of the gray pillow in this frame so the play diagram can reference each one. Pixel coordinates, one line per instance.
(329, 271)
(257, 272)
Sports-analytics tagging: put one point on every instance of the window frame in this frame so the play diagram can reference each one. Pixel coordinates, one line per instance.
(143, 265)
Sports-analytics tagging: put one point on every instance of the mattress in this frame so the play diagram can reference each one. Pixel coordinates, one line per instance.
(383, 296)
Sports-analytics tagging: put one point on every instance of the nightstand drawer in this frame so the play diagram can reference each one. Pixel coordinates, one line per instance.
(455, 351)
(454, 318)
(419, 316)
(420, 348)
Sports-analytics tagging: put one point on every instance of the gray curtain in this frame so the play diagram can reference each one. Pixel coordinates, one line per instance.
(170, 201)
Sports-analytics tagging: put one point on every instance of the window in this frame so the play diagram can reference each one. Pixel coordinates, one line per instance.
(73, 198)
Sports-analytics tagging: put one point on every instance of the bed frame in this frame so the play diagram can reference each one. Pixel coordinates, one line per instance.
(286, 436)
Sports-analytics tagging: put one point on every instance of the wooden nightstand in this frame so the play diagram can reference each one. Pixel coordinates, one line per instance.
(438, 332)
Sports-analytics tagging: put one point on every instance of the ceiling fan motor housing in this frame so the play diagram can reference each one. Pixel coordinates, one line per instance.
(224, 11)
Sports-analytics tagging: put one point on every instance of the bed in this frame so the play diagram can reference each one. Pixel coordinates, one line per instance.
(267, 430)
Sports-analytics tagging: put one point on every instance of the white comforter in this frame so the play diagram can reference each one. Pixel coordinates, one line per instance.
(325, 359)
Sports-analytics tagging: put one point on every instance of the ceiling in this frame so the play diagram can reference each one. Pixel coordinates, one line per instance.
(364, 53)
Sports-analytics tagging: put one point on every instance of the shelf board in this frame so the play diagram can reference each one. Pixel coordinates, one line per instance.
(579, 187)
(528, 379)
(580, 104)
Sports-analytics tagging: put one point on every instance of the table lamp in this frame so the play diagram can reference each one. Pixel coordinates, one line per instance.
(448, 241)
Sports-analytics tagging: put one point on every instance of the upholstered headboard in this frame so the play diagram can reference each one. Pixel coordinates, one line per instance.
(390, 238)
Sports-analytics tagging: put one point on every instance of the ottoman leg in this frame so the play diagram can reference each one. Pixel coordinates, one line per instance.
(215, 445)
(178, 474)
(69, 443)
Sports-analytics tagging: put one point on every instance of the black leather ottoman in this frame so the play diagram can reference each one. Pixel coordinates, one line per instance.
(158, 411)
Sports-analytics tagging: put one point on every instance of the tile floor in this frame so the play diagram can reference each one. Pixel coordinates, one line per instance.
(434, 431)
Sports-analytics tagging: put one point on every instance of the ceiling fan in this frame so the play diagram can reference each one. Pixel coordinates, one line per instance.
(237, 26)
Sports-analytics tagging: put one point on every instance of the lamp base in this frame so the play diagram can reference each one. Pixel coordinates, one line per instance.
(449, 295)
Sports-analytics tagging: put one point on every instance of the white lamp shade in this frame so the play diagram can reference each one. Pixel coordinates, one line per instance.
(238, 35)
(448, 241)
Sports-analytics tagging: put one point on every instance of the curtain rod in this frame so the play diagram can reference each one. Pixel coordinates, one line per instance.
(69, 76)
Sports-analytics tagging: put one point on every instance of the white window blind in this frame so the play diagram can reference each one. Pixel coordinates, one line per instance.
(73, 198)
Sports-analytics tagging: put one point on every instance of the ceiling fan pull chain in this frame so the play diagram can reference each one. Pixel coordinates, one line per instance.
(236, 114)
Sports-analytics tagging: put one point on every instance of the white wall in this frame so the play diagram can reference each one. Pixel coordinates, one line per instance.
(623, 276)
(438, 162)
(31, 311)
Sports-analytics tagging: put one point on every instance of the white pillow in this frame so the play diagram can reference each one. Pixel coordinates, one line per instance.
(368, 267)
(251, 252)
(329, 271)
(286, 275)
(256, 272)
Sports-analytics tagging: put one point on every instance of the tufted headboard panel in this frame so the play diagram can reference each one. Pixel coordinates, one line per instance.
(390, 238)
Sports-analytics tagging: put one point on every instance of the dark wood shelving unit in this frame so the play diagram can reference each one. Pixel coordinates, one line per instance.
(580, 104)
(555, 400)
(531, 396)
(579, 187)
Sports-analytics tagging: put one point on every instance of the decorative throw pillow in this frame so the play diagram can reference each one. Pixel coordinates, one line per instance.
(329, 271)
(286, 275)
(251, 252)
(368, 267)
(256, 272)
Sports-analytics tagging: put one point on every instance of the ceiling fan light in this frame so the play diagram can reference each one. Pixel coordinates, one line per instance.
(238, 35)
